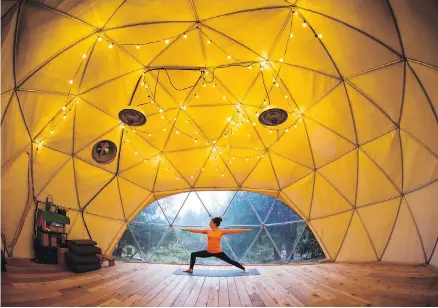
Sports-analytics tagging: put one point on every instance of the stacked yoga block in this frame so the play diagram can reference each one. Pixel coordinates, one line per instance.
(83, 256)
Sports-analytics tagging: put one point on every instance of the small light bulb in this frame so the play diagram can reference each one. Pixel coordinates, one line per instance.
(304, 24)
(185, 35)
(206, 72)
(63, 108)
(264, 103)
(224, 97)
(177, 177)
(164, 129)
(196, 132)
(149, 135)
(70, 81)
(138, 46)
(209, 42)
(291, 35)
(229, 161)
(197, 95)
(254, 123)
(187, 121)
(295, 13)
(64, 117)
(84, 56)
(256, 149)
(145, 160)
(229, 119)
(162, 117)
(257, 114)
(223, 174)
(134, 130)
(277, 85)
(166, 41)
(287, 130)
(214, 85)
(177, 132)
(225, 136)
(204, 85)
(196, 140)
(136, 153)
(247, 159)
(214, 142)
(167, 169)
(161, 109)
(270, 131)
(234, 157)
(295, 125)
(229, 57)
(202, 169)
(191, 176)
(174, 119)
(122, 126)
(320, 36)
(281, 60)
(99, 38)
(127, 140)
(228, 146)
(110, 45)
(250, 67)
(51, 132)
(285, 96)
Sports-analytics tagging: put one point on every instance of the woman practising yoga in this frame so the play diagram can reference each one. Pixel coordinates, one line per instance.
(214, 244)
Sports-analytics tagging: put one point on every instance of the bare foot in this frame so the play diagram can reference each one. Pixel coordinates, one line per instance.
(189, 270)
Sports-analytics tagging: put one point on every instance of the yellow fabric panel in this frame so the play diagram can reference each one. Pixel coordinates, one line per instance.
(169, 178)
(46, 164)
(326, 200)
(14, 194)
(109, 102)
(77, 230)
(418, 118)
(306, 87)
(300, 151)
(425, 211)
(90, 123)
(331, 231)
(326, 145)
(420, 48)
(98, 70)
(257, 30)
(263, 176)
(107, 203)
(375, 18)
(41, 109)
(428, 77)
(51, 35)
(365, 112)
(346, 180)
(287, 171)
(24, 246)
(89, 180)
(132, 13)
(379, 220)
(19, 137)
(56, 75)
(315, 57)
(212, 176)
(189, 163)
(96, 12)
(73, 215)
(143, 174)
(239, 88)
(243, 162)
(386, 152)
(6, 98)
(134, 150)
(109, 251)
(8, 31)
(184, 135)
(357, 246)
(103, 230)
(373, 185)
(333, 111)
(300, 194)
(61, 186)
(354, 58)
(387, 95)
(404, 244)
(86, 154)
(420, 167)
(132, 196)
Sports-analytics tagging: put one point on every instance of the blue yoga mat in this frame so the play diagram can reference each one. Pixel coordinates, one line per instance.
(217, 273)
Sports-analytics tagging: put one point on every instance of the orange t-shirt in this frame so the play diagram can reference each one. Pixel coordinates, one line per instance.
(214, 239)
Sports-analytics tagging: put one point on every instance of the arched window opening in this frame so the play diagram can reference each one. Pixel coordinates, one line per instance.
(278, 234)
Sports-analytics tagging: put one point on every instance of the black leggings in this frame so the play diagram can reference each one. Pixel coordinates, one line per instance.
(219, 255)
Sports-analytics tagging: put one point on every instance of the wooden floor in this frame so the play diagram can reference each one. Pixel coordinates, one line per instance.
(136, 284)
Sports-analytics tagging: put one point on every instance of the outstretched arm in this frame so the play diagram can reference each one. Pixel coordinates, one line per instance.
(236, 231)
(195, 231)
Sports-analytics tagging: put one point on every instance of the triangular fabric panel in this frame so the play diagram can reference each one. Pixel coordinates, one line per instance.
(73, 215)
(109, 196)
(263, 176)
(420, 167)
(5, 100)
(89, 180)
(148, 236)
(386, 152)
(8, 33)
(373, 185)
(357, 245)
(287, 171)
(216, 203)
(192, 213)
(428, 77)
(143, 174)
(405, 243)
(387, 95)
(151, 214)
(169, 178)
(161, 253)
(77, 230)
(346, 181)
(300, 194)
(379, 219)
(326, 199)
(134, 150)
(263, 250)
(326, 145)
(240, 212)
(425, 210)
(215, 174)
(418, 118)
(261, 203)
(281, 213)
(103, 230)
(331, 231)
(62, 187)
(132, 196)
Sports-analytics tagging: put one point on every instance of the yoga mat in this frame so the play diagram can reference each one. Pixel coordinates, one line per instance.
(217, 273)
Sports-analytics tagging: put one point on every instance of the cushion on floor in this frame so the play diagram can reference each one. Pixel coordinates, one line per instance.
(83, 250)
(83, 242)
(82, 268)
(77, 259)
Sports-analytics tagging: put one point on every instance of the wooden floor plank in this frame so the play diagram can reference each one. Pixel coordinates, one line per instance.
(224, 300)
(184, 294)
(163, 294)
(204, 294)
(245, 301)
(194, 293)
(233, 295)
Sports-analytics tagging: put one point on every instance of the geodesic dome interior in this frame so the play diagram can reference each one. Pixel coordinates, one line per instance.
(356, 157)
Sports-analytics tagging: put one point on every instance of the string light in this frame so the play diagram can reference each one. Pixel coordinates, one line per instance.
(162, 117)
(250, 67)
(285, 96)
(270, 131)
(51, 132)
(185, 35)
(197, 95)
(70, 81)
(320, 36)
(229, 57)
(84, 55)
(150, 135)
(291, 35)
(196, 140)
(281, 60)
(64, 117)
(99, 38)
(166, 41)
(287, 130)
(224, 97)
(304, 24)
(110, 45)
(138, 46)
(161, 109)
(63, 108)
(209, 42)
(177, 132)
